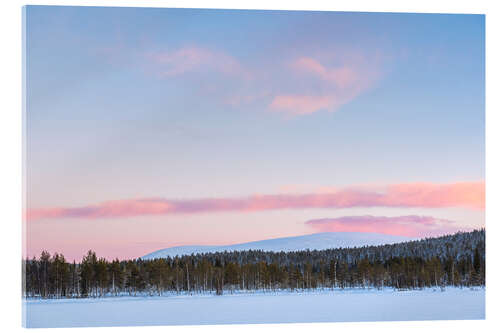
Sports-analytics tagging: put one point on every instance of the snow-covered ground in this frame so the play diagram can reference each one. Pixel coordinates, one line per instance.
(253, 308)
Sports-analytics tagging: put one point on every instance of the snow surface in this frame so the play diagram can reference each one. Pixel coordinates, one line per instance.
(319, 241)
(253, 308)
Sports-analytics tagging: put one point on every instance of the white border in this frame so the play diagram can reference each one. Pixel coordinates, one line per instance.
(11, 155)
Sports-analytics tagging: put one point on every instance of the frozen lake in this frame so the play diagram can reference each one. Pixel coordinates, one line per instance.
(279, 307)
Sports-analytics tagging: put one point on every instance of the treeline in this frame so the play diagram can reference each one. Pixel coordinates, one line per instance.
(454, 260)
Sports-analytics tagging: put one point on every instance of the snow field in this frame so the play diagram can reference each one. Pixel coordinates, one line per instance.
(255, 308)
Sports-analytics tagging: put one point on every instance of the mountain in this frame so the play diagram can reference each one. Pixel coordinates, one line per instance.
(319, 241)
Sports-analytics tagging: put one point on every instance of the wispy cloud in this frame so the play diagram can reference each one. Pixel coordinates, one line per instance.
(428, 195)
(408, 225)
(299, 87)
(338, 84)
(342, 76)
(302, 104)
(184, 60)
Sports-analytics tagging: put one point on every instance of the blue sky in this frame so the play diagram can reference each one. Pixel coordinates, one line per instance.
(127, 103)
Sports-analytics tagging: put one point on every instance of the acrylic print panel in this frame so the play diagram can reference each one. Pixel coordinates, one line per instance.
(195, 166)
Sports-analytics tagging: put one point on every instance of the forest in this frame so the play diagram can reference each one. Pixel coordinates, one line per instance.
(452, 260)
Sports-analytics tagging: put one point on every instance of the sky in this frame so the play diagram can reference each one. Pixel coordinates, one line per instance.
(148, 128)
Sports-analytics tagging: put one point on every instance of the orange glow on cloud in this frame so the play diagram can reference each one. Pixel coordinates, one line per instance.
(465, 194)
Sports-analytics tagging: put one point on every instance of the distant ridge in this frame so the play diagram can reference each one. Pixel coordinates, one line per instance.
(318, 241)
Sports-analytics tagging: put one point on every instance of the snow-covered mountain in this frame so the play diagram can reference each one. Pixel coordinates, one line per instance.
(319, 241)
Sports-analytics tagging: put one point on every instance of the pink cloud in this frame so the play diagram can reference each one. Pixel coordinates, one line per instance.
(108, 209)
(300, 105)
(302, 86)
(464, 194)
(343, 76)
(339, 85)
(409, 225)
(428, 195)
(332, 86)
(193, 58)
